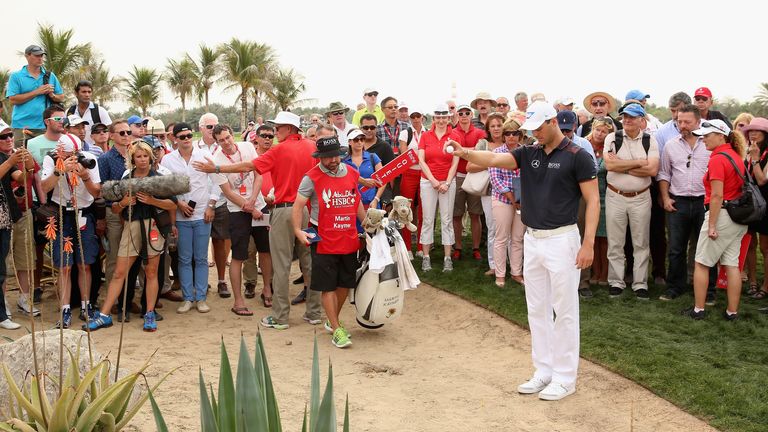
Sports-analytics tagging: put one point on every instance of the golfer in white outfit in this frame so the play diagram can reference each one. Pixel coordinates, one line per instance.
(554, 175)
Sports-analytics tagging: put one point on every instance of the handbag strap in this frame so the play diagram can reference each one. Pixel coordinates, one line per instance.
(744, 177)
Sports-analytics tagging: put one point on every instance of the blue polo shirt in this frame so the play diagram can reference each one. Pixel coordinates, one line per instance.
(30, 113)
(366, 170)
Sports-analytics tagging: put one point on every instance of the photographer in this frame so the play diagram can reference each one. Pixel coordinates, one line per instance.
(74, 189)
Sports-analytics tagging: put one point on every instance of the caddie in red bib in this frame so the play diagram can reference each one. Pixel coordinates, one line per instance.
(331, 189)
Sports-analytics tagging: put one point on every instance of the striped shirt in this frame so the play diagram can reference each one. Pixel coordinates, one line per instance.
(683, 168)
(503, 180)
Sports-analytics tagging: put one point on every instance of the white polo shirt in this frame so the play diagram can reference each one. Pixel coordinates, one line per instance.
(104, 118)
(84, 198)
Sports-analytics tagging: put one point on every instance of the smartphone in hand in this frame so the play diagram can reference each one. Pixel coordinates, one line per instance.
(313, 237)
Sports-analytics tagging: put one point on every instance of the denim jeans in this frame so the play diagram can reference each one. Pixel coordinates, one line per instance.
(5, 247)
(681, 224)
(193, 244)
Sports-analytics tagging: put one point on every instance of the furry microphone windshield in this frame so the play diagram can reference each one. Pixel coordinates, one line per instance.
(157, 186)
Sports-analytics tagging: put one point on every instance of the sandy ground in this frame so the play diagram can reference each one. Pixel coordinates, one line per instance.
(445, 365)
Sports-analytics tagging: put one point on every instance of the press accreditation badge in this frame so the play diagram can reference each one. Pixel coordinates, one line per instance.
(242, 190)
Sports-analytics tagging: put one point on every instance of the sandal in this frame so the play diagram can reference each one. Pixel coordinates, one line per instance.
(761, 294)
(266, 301)
(753, 289)
(241, 311)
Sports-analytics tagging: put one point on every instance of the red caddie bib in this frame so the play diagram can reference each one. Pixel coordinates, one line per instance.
(337, 198)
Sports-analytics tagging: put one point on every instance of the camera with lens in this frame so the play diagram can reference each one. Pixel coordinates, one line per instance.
(81, 159)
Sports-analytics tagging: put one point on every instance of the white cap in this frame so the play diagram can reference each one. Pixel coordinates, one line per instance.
(354, 133)
(565, 101)
(441, 110)
(712, 126)
(70, 143)
(3, 125)
(463, 107)
(370, 90)
(412, 111)
(285, 117)
(403, 105)
(74, 120)
(538, 112)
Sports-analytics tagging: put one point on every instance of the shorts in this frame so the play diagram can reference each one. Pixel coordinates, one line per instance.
(131, 240)
(241, 232)
(220, 224)
(331, 271)
(89, 238)
(23, 236)
(726, 247)
(465, 202)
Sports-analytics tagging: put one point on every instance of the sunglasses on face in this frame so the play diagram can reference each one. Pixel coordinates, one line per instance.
(374, 94)
(441, 113)
(465, 114)
(266, 136)
(209, 127)
(358, 139)
(392, 107)
(701, 98)
(502, 105)
(57, 118)
(417, 115)
(368, 128)
(513, 133)
(337, 113)
(599, 103)
(124, 133)
(184, 137)
(7, 136)
(98, 131)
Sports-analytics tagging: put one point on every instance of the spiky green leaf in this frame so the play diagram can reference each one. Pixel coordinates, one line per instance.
(159, 420)
(314, 388)
(346, 414)
(250, 407)
(227, 413)
(326, 416)
(273, 412)
(207, 416)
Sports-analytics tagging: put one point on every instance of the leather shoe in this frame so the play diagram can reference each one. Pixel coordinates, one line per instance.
(172, 296)
(223, 290)
(301, 298)
(250, 290)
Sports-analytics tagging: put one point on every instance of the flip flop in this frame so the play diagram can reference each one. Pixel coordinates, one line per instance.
(241, 311)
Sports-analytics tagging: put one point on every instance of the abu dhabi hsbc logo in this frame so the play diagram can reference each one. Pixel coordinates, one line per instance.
(338, 198)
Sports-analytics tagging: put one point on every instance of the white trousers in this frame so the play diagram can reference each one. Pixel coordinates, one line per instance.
(551, 285)
(490, 222)
(430, 200)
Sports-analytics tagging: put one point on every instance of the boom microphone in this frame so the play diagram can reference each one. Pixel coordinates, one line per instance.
(158, 186)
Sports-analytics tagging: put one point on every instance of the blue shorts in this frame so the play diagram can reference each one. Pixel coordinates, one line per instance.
(89, 238)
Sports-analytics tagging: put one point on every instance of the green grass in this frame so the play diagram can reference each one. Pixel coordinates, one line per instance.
(714, 369)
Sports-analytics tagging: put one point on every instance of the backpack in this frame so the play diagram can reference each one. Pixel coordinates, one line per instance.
(95, 117)
(750, 206)
(620, 140)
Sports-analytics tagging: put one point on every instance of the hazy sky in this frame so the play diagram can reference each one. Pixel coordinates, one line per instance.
(417, 51)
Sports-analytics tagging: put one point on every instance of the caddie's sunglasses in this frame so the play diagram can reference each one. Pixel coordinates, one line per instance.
(369, 128)
(701, 98)
(4, 137)
(184, 137)
(268, 137)
(338, 113)
(599, 103)
(710, 125)
(124, 133)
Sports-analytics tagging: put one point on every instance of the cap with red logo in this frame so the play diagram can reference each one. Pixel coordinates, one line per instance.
(703, 91)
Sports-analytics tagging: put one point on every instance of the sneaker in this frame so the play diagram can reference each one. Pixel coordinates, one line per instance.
(341, 338)
(7, 308)
(456, 254)
(300, 298)
(327, 326)
(710, 301)
(419, 254)
(150, 324)
(426, 264)
(184, 307)
(98, 322)
(37, 296)
(158, 317)
(614, 292)
(92, 313)
(223, 290)
(534, 385)
(250, 290)
(556, 391)
(9, 325)
(447, 264)
(477, 255)
(642, 294)
(669, 295)
(730, 317)
(691, 313)
(203, 307)
(66, 320)
(24, 306)
(315, 321)
(585, 293)
(270, 322)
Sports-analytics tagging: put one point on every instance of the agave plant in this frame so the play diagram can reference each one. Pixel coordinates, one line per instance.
(86, 403)
(248, 402)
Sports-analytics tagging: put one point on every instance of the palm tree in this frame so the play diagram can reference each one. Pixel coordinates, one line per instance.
(206, 69)
(5, 75)
(93, 68)
(245, 65)
(286, 89)
(181, 78)
(63, 56)
(762, 96)
(143, 88)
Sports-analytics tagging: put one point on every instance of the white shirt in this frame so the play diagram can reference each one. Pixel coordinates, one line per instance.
(245, 152)
(414, 144)
(84, 198)
(202, 187)
(212, 149)
(104, 117)
(342, 134)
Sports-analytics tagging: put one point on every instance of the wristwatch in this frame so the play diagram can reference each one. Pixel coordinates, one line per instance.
(212, 206)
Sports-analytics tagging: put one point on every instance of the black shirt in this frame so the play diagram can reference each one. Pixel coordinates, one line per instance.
(383, 151)
(717, 115)
(550, 183)
(7, 190)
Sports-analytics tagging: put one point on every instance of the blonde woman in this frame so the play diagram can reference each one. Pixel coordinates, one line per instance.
(600, 129)
(141, 238)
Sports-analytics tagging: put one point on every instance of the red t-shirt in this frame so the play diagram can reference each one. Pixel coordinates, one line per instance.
(287, 163)
(438, 161)
(720, 168)
(467, 139)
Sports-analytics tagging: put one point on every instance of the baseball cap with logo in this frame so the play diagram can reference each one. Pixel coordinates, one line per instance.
(703, 91)
(328, 147)
(370, 90)
(74, 120)
(181, 127)
(634, 110)
(567, 120)
(538, 112)
(636, 95)
(153, 142)
(354, 133)
(712, 126)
